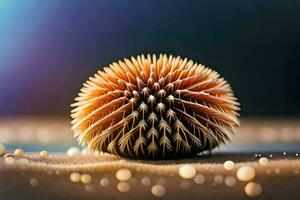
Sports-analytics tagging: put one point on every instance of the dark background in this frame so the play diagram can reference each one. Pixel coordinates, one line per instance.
(48, 48)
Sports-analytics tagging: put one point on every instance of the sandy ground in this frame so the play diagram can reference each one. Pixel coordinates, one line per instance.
(279, 179)
(49, 178)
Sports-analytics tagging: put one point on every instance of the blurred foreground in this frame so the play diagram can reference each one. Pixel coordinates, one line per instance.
(264, 164)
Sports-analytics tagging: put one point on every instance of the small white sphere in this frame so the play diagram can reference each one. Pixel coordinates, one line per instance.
(218, 179)
(199, 179)
(158, 190)
(253, 189)
(263, 161)
(230, 181)
(104, 182)
(229, 165)
(123, 174)
(19, 153)
(146, 181)
(187, 171)
(245, 173)
(75, 177)
(123, 186)
(44, 154)
(86, 178)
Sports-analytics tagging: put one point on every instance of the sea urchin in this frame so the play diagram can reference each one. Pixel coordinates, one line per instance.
(155, 108)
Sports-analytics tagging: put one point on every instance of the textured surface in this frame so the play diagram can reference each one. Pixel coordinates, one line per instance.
(264, 137)
(279, 179)
(156, 108)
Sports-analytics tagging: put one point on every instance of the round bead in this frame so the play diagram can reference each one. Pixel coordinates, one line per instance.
(44, 154)
(75, 177)
(104, 182)
(123, 174)
(123, 187)
(229, 165)
(19, 153)
(263, 161)
(86, 178)
(199, 179)
(245, 173)
(158, 190)
(253, 189)
(187, 171)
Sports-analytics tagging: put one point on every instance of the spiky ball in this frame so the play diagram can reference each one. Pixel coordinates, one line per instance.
(155, 108)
